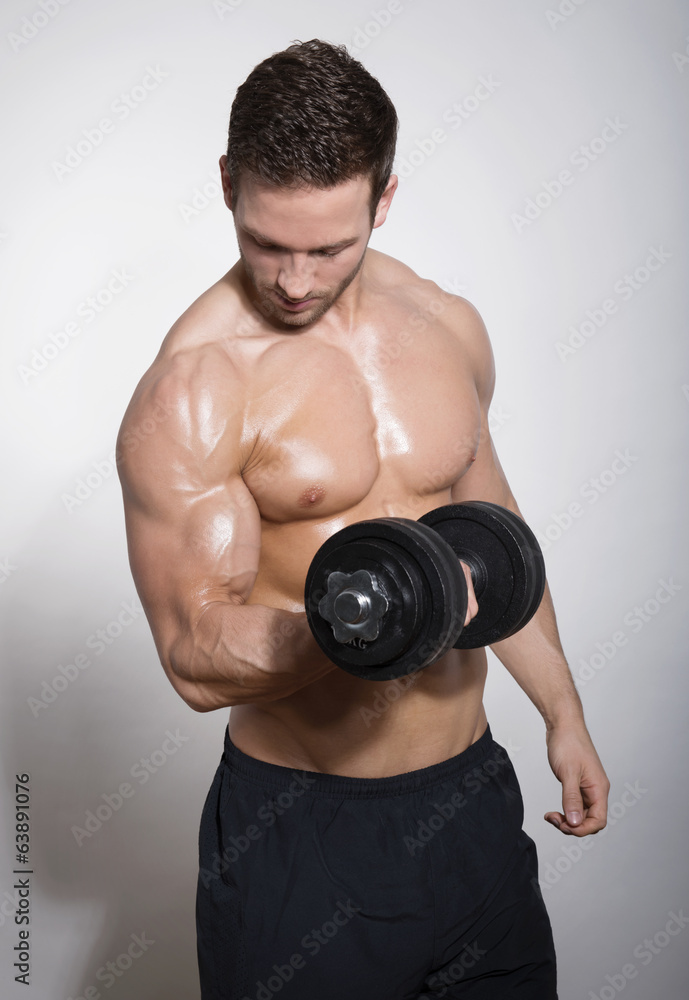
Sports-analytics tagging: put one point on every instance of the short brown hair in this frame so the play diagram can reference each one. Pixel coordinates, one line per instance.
(312, 115)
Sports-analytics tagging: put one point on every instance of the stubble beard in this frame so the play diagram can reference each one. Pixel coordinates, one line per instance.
(263, 297)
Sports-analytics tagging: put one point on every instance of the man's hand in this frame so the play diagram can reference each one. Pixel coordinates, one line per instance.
(585, 785)
(472, 603)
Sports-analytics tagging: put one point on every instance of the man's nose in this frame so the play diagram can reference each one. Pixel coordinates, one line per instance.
(295, 277)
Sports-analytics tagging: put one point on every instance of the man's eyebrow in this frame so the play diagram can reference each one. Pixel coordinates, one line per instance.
(326, 246)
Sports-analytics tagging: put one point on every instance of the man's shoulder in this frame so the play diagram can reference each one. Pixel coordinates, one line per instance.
(430, 310)
(213, 321)
(428, 299)
(196, 379)
(182, 376)
(200, 349)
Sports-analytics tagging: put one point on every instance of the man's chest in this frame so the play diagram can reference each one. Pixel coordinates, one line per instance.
(328, 427)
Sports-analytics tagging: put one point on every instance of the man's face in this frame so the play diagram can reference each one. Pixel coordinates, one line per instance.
(302, 247)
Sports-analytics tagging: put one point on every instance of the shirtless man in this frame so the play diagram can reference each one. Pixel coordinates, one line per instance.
(344, 852)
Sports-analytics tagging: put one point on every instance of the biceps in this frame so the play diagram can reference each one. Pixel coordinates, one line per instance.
(204, 549)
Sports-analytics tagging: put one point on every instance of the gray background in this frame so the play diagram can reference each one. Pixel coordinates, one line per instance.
(559, 419)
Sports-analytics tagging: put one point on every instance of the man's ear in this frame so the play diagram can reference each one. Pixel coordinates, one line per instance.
(385, 201)
(226, 183)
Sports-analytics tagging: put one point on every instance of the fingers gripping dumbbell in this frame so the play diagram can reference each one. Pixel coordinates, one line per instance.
(387, 596)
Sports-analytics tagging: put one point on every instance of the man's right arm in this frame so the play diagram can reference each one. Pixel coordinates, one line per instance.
(194, 537)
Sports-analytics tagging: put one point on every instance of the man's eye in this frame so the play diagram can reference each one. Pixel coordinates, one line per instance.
(329, 253)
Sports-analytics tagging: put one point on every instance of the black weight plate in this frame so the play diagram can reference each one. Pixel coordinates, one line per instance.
(487, 535)
(448, 610)
(419, 578)
(535, 565)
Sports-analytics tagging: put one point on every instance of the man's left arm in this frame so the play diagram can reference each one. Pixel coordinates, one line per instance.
(534, 655)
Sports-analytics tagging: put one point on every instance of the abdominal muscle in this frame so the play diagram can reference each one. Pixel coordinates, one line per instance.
(370, 729)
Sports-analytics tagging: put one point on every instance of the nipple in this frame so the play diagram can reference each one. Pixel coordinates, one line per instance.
(311, 496)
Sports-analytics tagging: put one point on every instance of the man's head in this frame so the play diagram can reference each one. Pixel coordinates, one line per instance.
(308, 175)
(312, 116)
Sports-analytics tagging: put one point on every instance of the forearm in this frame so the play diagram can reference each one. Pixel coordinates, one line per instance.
(244, 654)
(535, 658)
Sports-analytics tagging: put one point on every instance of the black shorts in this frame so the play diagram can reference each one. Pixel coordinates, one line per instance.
(321, 887)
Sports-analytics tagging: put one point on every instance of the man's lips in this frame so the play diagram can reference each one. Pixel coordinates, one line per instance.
(292, 305)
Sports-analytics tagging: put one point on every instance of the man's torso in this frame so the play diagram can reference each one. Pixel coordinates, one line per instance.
(337, 428)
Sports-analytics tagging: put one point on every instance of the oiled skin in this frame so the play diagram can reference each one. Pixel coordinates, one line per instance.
(271, 436)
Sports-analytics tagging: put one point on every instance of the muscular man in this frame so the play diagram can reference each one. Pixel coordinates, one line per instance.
(345, 851)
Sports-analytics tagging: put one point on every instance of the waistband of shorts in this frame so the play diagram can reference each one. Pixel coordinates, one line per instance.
(276, 776)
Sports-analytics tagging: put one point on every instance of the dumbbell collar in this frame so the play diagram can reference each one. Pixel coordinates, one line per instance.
(354, 605)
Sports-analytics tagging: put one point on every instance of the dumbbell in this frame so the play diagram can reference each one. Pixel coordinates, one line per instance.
(387, 596)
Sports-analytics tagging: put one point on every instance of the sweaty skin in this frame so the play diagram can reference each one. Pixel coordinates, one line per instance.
(316, 384)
